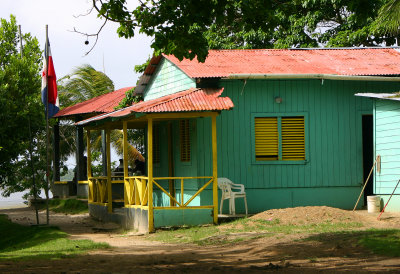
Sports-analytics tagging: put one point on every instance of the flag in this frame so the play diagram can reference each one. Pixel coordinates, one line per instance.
(50, 85)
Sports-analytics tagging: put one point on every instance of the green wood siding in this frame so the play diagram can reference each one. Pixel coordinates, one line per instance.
(167, 79)
(387, 144)
(334, 117)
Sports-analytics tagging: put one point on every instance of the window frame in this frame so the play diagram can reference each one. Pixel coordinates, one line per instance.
(279, 116)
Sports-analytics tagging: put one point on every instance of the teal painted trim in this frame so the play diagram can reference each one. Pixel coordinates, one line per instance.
(265, 199)
(279, 116)
(180, 217)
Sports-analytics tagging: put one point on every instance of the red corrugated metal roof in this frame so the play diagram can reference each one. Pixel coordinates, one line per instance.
(100, 104)
(361, 61)
(194, 99)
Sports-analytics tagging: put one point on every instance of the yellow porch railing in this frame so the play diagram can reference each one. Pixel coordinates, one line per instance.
(97, 190)
(137, 194)
(136, 191)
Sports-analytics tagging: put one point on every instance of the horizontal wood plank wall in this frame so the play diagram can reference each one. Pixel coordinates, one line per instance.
(333, 128)
(168, 79)
(387, 144)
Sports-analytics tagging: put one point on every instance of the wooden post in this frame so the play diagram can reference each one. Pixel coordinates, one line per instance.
(56, 151)
(215, 167)
(150, 172)
(109, 188)
(89, 155)
(125, 148)
(104, 152)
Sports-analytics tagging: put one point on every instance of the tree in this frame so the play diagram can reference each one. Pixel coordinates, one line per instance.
(22, 113)
(188, 28)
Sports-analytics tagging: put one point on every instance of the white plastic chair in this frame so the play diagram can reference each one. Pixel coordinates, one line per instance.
(231, 191)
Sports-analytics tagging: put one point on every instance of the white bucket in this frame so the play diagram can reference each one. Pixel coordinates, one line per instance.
(374, 204)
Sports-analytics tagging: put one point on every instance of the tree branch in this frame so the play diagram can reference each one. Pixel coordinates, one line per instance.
(94, 34)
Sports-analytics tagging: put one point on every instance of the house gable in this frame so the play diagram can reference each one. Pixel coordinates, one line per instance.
(167, 79)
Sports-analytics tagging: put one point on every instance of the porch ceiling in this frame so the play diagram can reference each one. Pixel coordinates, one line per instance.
(194, 100)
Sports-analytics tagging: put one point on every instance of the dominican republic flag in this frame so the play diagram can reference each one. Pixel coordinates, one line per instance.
(51, 86)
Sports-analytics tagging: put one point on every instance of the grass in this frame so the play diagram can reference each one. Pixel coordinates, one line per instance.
(67, 206)
(243, 229)
(383, 242)
(38, 242)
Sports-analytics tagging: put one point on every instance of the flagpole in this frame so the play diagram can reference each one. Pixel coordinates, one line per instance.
(47, 126)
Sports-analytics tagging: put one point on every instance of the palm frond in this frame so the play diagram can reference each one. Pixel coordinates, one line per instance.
(388, 20)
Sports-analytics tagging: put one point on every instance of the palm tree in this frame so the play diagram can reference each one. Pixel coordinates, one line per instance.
(83, 84)
(388, 19)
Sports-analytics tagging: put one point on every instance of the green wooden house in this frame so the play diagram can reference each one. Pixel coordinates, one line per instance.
(386, 129)
(295, 134)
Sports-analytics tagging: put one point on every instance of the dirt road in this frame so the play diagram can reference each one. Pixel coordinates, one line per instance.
(132, 253)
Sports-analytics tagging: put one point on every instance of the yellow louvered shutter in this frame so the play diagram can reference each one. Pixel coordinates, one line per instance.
(156, 144)
(185, 140)
(266, 138)
(293, 141)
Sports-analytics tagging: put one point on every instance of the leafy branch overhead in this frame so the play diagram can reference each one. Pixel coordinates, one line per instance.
(188, 28)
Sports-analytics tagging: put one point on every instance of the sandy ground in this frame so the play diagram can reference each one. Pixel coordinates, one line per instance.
(132, 253)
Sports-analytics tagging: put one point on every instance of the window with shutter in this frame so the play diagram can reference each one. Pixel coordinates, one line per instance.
(184, 129)
(267, 139)
(293, 141)
(279, 138)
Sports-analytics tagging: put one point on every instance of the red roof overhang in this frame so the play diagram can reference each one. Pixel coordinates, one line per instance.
(191, 100)
(101, 104)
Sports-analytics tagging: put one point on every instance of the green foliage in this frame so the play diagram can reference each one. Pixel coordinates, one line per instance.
(129, 99)
(188, 28)
(21, 109)
(35, 242)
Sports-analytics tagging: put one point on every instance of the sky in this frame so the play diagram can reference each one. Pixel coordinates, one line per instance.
(113, 55)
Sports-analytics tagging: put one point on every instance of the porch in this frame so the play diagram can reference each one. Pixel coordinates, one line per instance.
(152, 201)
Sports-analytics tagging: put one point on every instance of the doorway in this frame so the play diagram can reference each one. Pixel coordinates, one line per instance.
(368, 154)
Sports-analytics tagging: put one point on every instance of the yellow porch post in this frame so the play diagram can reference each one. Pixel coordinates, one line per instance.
(125, 148)
(215, 168)
(109, 190)
(150, 172)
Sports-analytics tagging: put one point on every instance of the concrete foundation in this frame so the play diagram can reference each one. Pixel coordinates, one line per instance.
(82, 190)
(64, 190)
(128, 218)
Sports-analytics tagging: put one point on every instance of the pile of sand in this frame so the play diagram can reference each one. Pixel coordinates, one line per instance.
(310, 215)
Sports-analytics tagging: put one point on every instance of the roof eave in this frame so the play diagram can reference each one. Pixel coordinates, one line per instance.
(316, 76)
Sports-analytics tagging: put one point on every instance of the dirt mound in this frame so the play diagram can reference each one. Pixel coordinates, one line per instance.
(309, 215)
